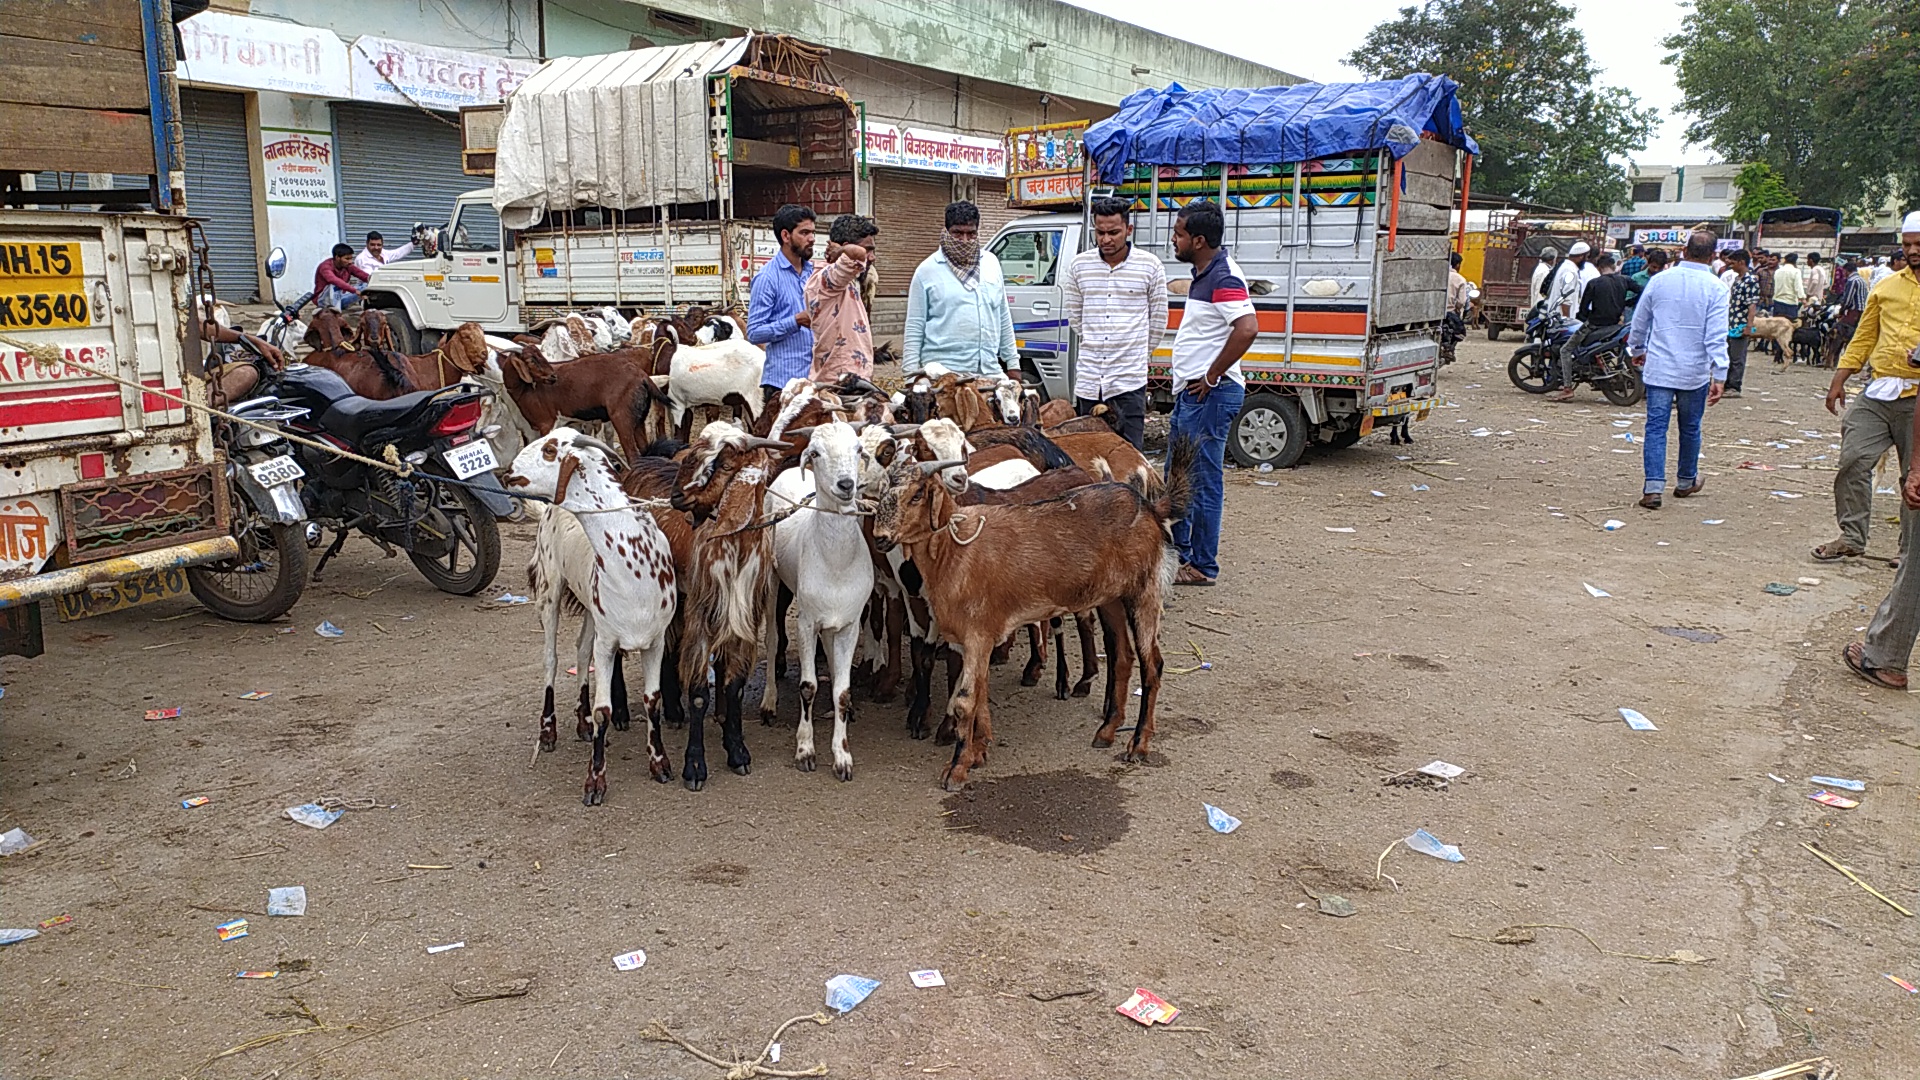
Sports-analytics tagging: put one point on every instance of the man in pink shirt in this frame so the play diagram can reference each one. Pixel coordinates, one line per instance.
(333, 280)
(842, 336)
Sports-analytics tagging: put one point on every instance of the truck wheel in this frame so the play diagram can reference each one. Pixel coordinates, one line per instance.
(1270, 430)
(404, 333)
(1493, 331)
(263, 583)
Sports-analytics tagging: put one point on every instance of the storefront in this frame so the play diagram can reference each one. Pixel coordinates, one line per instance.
(914, 173)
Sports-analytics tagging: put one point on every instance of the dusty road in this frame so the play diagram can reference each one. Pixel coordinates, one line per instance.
(1451, 623)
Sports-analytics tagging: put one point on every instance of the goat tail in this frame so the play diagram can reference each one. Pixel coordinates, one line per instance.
(390, 370)
(1042, 451)
(1176, 492)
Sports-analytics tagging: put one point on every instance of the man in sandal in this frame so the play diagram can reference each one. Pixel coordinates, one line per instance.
(1882, 416)
(1680, 329)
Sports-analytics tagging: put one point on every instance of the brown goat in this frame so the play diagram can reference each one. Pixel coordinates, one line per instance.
(1102, 546)
(1055, 412)
(376, 372)
(616, 387)
(1121, 459)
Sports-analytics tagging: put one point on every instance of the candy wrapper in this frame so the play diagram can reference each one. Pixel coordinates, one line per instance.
(288, 901)
(1219, 820)
(632, 961)
(197, 800)
(163, 714)
(314, 815)
(928, 978)
(1838, 802)
(256, 974)
(229, 931)
(1146, 1008)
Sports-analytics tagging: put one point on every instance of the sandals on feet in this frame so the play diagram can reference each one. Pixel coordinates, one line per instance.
(1855, 656)
(1835, 550)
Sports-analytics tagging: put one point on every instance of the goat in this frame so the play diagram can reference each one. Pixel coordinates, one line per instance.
(1102, 546)
(1776, 329)
(1055, 413)
(820, 555)
(374, 372)
(627, 588)
(1095, 451)
(722, 482)
(614, 387)
(1101, 418)
(720, 371)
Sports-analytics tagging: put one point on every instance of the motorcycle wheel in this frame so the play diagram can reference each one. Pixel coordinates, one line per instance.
(1527, 373)
(473, 557)
(263, 583)
(1625, 388)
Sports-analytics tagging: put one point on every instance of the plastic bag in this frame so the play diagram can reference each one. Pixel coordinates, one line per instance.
(846, 991)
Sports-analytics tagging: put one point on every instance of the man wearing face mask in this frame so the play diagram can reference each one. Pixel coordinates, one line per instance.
(957, 313)
(836, 298)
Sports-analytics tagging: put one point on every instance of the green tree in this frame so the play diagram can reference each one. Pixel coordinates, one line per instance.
(1870, 100)
(1761, 189)
(1754, 73)
(1546, 132)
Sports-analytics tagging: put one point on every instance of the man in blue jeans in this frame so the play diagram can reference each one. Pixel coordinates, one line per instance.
(1216, 328)
(1680, 333)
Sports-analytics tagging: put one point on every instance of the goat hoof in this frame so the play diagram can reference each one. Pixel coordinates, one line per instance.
(582, 730)
(1060, 693)
(1083, 689)
(766, 717)
(694, 784)
(953, 780)
(1029, 678)
(547, 743)
(844, 772)
(594, 797)
(1101, 742)
(620, 722)
(917, 731)
(805, 761)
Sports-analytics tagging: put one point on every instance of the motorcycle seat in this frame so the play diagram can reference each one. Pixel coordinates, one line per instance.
(1611, 341)
(343, 413)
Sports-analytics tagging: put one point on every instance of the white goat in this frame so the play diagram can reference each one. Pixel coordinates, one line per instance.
(821, 556)
(625, 584)
(724, 369)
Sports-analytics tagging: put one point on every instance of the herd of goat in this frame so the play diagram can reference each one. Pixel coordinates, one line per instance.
(939, 520)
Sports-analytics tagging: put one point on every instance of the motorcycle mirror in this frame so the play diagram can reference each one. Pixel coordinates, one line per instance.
(277, 262)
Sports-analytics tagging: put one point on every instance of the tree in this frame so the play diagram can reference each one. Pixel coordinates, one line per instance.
(1869, 100)
(1546, 132)
(1761, 189)
(1754, 72)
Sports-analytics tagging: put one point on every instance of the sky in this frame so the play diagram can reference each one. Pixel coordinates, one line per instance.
(1311, 39)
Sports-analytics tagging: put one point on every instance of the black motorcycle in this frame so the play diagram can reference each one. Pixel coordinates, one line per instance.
(1602, 364)
(442, 513)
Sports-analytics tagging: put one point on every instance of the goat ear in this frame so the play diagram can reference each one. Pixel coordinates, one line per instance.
(568, 466)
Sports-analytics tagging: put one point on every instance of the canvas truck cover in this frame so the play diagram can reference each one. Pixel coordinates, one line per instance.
(624, 130)
(1176, 126)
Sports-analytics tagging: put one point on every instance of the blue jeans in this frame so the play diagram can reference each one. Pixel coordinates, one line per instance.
(1661, 404)
(1206, 423)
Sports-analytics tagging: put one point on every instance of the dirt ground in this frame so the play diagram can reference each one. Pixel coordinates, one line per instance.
(1450, 623)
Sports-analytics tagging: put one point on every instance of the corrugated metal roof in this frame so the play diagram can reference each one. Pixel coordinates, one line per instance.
(663, 64)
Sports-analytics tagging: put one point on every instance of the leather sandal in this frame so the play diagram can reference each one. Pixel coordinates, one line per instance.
(1855, 657)
(1835, 550)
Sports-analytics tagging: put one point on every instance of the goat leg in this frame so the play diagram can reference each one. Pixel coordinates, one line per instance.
(673, 701)
(920, 694)
(549, 726)
(693, 770)
(1146, 638)
(803, 752)
(840, 647)
(1060, 654)
(604, 651)
(782, 601)
(888, 684)
(584, 652)
(955, 664)
(963, 712)
(1036, 656)
(652, 668)
(622, 714)
(730, 734)
(774, 644)
(1112, 627)
(1089, 659)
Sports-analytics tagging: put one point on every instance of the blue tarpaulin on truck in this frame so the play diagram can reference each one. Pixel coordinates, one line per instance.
(1268, 125)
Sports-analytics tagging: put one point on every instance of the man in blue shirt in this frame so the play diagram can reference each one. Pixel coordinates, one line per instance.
(1680, 332)
(957, 313)
(777, 318)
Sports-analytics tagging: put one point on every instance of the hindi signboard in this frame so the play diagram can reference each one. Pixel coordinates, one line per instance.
(932, 150)
(405, 73)
(218, 49)
(299, 166)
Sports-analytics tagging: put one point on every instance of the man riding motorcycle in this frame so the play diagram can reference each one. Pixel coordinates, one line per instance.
(1603, 305)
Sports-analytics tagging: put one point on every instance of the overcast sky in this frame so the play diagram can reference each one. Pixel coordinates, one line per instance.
(1311, 39)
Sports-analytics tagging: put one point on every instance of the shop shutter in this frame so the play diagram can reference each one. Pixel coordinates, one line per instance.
(397, 166)
(991, 197)
(220, 188)
(911, 210)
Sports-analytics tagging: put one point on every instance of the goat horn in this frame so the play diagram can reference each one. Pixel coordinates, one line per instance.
(803, 432)
(757, 443)
(612, 454)
(901, 431)
(928, 468)
(860, 385)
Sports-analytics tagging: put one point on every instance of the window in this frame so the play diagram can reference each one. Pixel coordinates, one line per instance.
(1718, 189)
(1028, 256)
(1646, 191)
(477, 230)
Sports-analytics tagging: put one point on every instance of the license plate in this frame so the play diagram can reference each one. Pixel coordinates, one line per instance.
(280, 470)
(470, 460)
(119, 595)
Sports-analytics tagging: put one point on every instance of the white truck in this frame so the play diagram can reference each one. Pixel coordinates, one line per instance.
(639, 180)
(109, 491)
(1345, 251)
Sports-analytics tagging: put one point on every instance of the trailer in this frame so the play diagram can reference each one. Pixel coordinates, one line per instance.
(1338, 202)
(640, 180)
(1515, 242)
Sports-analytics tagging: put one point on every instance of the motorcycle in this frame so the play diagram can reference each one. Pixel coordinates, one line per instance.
(267, 517)
(1603, 364)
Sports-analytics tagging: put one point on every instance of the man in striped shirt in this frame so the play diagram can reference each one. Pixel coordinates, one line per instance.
(1116, 298)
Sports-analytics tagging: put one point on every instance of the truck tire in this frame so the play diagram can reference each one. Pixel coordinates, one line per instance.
(1493, 331)
(405, 334)
(1270, 430)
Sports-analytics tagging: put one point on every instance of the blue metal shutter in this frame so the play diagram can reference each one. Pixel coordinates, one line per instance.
(220, 188)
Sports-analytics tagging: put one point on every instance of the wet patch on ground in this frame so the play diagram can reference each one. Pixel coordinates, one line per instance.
(718, 873)
(1065, 812)
(1291, 779)
(1367, 744)
(1418, 663)
(1688, 633)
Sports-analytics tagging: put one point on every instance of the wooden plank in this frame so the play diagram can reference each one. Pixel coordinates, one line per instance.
(114, 24)
(1419, 217)
(1431, 158)
(39, 137)
(1432, 190)
(70, 74)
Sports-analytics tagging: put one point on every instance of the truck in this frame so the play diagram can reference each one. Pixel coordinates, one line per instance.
(1337, 202)
(111, 490)
(637, 180)
(1807, 230)
(1514, 245)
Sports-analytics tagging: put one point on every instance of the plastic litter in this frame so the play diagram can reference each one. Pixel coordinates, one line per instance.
(1622, 423)
(1267, 483)
(1441, 770)
(1421, 487)
(291, 900)
(1902, 984)
(1337, 906)
(197, 800)
(328, 630)
(1835, 781)
(232, 930)
(509, 598)
(256, 974)
(1838, 802)
(57, 920)
(1636, 720)
(632, 961)
(1775, 588)
(313, 815)
(846, 991)
(1809, 582)
(1480, 433)
(1379, 494)
(1147, 1009)
(1339, 529)
(1776, 779)
(1613, 525)
(1265, 467)
(162, 714)
(256, 695)
(1785, 494)
(431, 949)
(773, 1053)
(1596, 593)
(1219, 820)
(14, 841)
(1714, 521)
(14, 937)
(927, 979)
(1426, 843)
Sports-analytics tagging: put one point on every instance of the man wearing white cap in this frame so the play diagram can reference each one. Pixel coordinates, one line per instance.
(1889, 340)
(1563, 297)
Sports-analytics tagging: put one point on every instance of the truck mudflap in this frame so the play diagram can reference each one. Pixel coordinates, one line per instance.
(32, 590)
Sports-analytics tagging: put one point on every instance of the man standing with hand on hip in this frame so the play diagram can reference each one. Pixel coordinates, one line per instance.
(1680, 330)
(1116, 300)
(1208, 388)
(1889, 337)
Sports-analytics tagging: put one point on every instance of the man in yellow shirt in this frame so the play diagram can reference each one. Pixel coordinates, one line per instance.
(1880, 417)
(1889, 340)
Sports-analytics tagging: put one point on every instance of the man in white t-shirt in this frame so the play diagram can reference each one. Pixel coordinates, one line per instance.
(1216, 327)
(376, 254)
